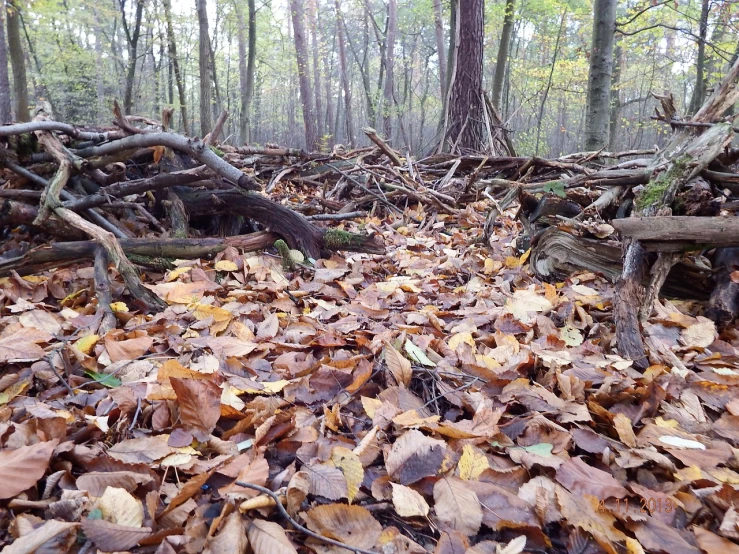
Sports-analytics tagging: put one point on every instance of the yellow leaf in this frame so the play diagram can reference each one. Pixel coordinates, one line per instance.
(226, 265)
(692, 473)
(86, 343)
(472, 463)
(350, 465)
(121, 507)
(119, 307)
(172, 275)
(371, 405)
(398, 365)
(270, 387)
(459, 338)
(408, 503)
(204, 311)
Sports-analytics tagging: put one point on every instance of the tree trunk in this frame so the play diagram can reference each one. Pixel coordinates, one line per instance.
(6, 109)
(615, 118)
(501, 64)
(176, 65)
(699, 91)
(133, 43)
(345, 78)
(599, 78)
(204, 68)
(20, 84)
(464, 112)
(388, 93)
(313, 21)
(440, 50)
(297, 9)
(244, 116)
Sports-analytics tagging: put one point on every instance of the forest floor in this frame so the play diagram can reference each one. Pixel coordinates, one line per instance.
(438, 398)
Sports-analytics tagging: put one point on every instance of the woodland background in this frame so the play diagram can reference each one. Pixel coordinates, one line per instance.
(201, 56)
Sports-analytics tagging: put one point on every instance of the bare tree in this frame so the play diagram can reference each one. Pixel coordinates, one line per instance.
(20, 83)
(246, 67)
(6, 109)
(388, 93)
(132, 38)
(297, 9)
(463, 128)
(345, 77)
(501, 63)
(172, 48)
(313, 22)
(597, 110)
(699, 89)
(440, 50)
(204, 68)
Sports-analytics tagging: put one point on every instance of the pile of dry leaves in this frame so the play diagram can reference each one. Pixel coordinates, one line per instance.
(438, 398)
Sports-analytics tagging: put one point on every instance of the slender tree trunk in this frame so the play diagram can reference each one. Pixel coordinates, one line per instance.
(389, 107)
(204, 68)
(501, 64)
(251, 61)
(133, 43)
(6, 109)
(615, 119)
(345, 78)
(313, 22)
(699, 91)
(172, 47)
(599, 79)
(440, 49)
(297, 9)
(465, 118)
(20, 83)
(244, 116)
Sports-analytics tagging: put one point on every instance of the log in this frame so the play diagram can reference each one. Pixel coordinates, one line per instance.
(556, 254)
(680, 233)
(723, 306)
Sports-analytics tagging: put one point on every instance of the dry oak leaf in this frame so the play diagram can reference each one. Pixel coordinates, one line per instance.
(231, 538)
(22, 467)
(267, 537)
(457, 506)
(398, 365)
(200, 405)
(580, 478)
(414, 456)
(408, 503)
(352, 525)
(31, 542)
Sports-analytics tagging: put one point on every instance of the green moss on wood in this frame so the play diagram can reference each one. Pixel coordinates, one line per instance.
(288, 264)
(336, 239)
(654, 192)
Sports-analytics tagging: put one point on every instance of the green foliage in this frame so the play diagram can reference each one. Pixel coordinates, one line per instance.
(556, 187)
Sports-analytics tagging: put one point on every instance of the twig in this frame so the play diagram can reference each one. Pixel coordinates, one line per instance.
(336, 217)
(298, 526)
(136, 414)
(58, 376)
(365, 189)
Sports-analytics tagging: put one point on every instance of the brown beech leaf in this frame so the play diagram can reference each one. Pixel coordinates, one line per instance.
(267, 537)
(656, 536)
(22, 346)
(414, 456)
(127, 349)
(231, 538)
(111, 537)
(22, 467)
(33, 540)
(408, 503)
(398, 365)
(711, 543)
(200, 405)
(95, 482)
(141, 450)
(351, 524)
(580, 478)
(327, 481)
(452, 542)
(457, 506)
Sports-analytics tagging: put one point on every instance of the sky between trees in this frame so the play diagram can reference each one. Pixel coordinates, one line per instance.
(210, 55)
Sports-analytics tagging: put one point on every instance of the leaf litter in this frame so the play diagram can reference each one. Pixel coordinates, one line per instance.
(436, 399)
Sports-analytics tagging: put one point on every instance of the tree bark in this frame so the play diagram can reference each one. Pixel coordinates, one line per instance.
(133, 43)
(15, 48)
(615, 117)
(6, 108)
(597, 110)
(464, 111)
(297, 9)
(349, 118)
(501, 64)
(204, 68)
(388, 92)
(440, 49)
(172, 47)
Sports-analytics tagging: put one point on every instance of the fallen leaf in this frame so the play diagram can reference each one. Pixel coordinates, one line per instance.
(457, 506)
(199, 402)
(22, 467)
(266, 537)
(408, 503)
(352, 525)
(399, 366)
